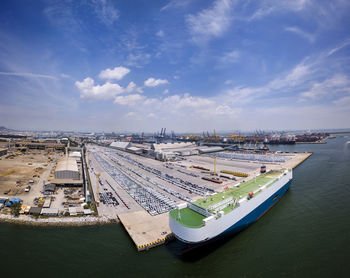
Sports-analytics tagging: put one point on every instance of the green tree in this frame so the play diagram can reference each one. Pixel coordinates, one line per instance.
(15, 209)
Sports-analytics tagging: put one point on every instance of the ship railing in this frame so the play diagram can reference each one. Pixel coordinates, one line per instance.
(199, 209)
(232, 203)
(220, 204)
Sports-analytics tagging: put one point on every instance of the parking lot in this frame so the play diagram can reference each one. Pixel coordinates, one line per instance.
(128, 182)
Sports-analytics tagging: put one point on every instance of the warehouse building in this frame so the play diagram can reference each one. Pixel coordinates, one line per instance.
(173, 146)
(49, 211)
(210, 149)
(49, 188)
(3, 152)
(135, 150)
(120, 145)
(76, 155)
(169, 151)
(67, 168)
(35, 210)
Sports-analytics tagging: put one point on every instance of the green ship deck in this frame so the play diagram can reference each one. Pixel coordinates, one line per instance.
(192, 219)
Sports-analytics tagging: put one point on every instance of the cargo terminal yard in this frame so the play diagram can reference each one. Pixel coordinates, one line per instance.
(142, 190)
(42, 179)
(134, 180)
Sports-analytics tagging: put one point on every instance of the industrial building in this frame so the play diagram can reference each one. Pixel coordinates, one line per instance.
(3, 152)
(135, 150)
(126, 146)
(49, 188)
(166, 151)
(210, 149)
(64, 141)
(67, 168)
(76, 155)
(173, 146)
(35, 210)
(47, 203)
(49, 211)
(120, 145)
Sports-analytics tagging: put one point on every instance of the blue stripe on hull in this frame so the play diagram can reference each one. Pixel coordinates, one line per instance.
(246, 221)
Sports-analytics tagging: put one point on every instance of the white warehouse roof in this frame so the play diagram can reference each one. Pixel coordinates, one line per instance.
(210, 149)
(120, 145)
(135, 149)
(75, 154)
(67, 164)
(172, 146)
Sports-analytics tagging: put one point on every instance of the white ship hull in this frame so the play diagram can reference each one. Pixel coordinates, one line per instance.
(248, 212)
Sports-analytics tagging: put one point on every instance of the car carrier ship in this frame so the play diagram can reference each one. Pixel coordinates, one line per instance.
(228, 212)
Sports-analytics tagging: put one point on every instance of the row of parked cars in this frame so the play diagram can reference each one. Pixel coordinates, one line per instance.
(152, 201)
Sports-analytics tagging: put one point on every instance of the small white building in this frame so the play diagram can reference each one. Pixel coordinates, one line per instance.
(49, 211)
(47, 203)
(72, 211)
(87, 212)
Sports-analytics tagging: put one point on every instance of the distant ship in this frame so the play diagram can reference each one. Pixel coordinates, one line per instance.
(279, 141)
(222, 214)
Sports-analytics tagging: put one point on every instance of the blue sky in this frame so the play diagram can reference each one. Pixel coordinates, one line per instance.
(191, 65)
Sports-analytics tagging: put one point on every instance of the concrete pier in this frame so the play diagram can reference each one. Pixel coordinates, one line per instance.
(297, 159)
(145, 230)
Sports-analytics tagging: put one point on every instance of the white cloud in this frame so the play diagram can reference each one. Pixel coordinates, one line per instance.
(151, 101)
(298, 84)
(211, 22)
(105, 11)
(241, 94)
(304, 117)
(268, 7)
(336, 49)
(95, 92)
(182, 111)
(296, 76)
(28, 74)
(184, 105)
(152, 82)
(292, 80)
(301, 33)
(135, 52)
(175, 4)
(337, 83)
(344, 101)
(130, 114)
(186, 101)
(224, 110)
(137, 59)
(133, 88)
(151, 115)
(166, 91)
(230, 57)
(129, 100)
(160, 33)
(117, 73)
